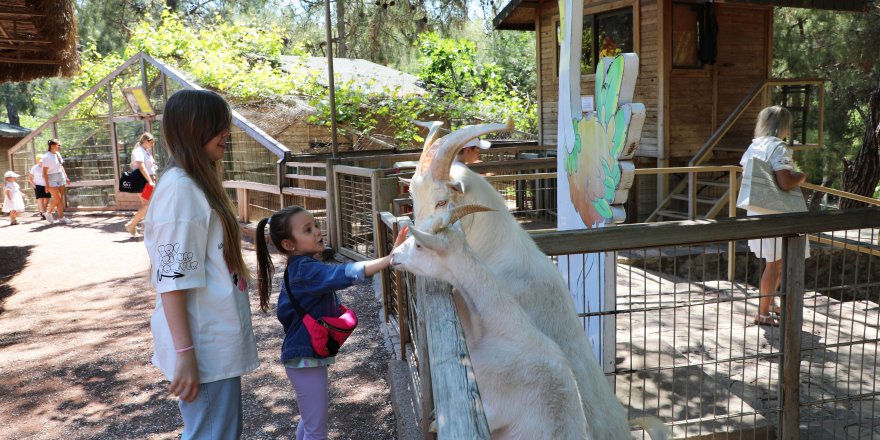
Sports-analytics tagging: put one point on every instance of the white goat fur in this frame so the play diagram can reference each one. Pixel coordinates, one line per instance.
(530, 278)
(525, 381)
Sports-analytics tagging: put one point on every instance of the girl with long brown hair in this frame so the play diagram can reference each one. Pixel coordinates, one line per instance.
(203, 340)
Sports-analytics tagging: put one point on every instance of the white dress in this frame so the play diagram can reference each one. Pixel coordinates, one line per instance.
(16, 203)
(775, 152)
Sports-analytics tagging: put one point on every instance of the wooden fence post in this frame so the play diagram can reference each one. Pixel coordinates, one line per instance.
(792, 325)
(333, 228)
(459, 410)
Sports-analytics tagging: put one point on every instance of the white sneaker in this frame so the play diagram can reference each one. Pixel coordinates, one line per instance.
(64, 221)
(49, 218)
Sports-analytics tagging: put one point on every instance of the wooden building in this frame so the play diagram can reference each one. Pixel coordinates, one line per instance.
(9, 136)
(704, 74)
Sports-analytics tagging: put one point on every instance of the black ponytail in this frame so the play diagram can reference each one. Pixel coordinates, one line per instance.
(278, 231)
(265, 268)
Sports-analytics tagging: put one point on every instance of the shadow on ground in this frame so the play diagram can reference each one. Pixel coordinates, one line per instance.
(12, 261)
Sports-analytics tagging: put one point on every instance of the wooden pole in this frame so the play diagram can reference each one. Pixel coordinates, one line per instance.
(792, 323)
(330, 82)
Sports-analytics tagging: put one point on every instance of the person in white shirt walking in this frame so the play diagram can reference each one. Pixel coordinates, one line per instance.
(35, 177)
(56, 181)
(142, 160)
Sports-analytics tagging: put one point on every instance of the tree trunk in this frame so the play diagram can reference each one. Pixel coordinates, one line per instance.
(12, 113)
(860, 175)
(341, 47)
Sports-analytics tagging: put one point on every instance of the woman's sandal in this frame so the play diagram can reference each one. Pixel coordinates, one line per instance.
(770, 319)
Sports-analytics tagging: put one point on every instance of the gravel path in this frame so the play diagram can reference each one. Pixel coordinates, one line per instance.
(75, 346)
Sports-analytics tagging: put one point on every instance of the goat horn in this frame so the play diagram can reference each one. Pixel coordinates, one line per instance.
(433, 131)
(464, 210)
(427, 240)
(440, 156)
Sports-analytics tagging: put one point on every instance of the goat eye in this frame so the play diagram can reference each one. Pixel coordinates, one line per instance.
(418, 246)
(442, 203)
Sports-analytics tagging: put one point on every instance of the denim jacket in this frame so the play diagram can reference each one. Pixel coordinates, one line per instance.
(314, 285)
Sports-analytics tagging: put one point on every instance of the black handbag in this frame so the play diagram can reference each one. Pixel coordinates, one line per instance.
(132, 181)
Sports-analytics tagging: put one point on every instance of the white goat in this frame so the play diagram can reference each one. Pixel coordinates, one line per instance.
(525, 381)
(523, 270)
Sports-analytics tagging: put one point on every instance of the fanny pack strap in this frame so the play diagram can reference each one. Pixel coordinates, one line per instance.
(293, 301)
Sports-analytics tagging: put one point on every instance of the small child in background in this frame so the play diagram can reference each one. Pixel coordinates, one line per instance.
(13, 201)
(314, 284)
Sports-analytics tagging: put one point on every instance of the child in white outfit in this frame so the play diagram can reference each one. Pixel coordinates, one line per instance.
(13, 201)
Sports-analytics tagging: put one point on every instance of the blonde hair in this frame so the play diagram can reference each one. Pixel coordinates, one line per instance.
(145, 137)
(191, 119)
(773, 121)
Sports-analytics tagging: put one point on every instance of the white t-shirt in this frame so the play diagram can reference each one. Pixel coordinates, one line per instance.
(140, 154)
(772, 150)
(53, 162)
(37, 172)
(184, 239)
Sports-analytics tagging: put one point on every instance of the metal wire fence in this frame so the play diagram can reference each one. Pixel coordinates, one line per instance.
(680, 339)
(354, 187)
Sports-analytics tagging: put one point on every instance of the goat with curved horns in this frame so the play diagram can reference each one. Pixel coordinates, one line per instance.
(525, 381)
(523, 270)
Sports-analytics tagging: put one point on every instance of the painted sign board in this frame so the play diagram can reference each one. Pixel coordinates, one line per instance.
(596, 143)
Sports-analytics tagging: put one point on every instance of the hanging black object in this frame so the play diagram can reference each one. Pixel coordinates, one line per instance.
(708, 36)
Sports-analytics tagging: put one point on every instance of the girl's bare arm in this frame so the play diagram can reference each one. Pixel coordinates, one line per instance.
(186, 373)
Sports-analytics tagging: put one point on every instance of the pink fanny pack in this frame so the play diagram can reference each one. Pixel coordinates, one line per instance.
(327, 334)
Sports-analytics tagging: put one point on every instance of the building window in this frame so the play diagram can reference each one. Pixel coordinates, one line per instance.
(686, 24)
(606, 35)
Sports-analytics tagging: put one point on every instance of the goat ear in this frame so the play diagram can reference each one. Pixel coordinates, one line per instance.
(456, 186)
(429, 241)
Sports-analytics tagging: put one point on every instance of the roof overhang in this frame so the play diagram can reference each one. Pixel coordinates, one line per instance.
(517, 15)
(835, 5)
(37, 39)
(520, 14)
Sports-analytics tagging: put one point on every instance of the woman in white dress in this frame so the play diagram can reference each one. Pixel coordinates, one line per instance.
(774, 124)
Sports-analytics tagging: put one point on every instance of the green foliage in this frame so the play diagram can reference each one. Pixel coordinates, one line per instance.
(451, 72)
(848, 62)
(243, 63)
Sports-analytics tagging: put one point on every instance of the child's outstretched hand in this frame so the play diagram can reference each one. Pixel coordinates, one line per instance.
(401, 236)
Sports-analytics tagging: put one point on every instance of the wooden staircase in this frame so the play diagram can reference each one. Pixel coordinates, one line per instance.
(704, 189)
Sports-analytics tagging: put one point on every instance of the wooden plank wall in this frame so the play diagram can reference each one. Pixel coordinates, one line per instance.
(695, 95)
(299, 136)
(645, 41)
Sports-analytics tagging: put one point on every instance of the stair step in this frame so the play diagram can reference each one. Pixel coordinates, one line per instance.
(705, 200)
(673, 214)
(731, 149)
(718, 183)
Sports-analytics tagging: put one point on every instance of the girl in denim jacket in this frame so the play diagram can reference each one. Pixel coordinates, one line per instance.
(314, 284)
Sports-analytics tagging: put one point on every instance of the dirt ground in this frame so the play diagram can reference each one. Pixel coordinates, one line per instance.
(75, 345)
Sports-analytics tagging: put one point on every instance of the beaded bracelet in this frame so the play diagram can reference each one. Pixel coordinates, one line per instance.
(181, 350)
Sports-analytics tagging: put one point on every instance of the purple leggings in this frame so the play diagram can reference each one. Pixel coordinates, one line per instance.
(312, 397)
